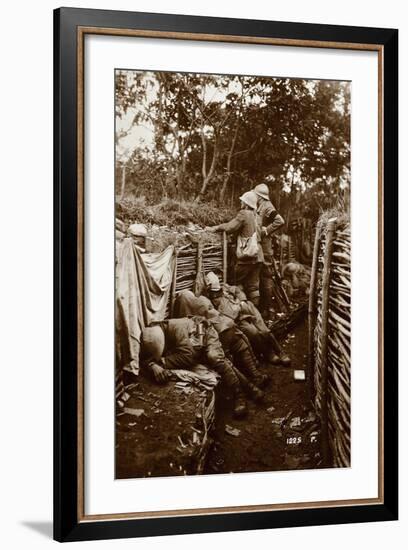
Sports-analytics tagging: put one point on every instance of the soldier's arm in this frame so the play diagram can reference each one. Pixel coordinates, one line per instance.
(231, 226)
(237, 292)
(181, 352)
(275, 221)
(180, 358)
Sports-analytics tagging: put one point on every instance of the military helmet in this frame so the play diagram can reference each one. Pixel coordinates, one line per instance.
(213, 282)
(153, 342)
(262, 190)
(138, 230)
(249, 198)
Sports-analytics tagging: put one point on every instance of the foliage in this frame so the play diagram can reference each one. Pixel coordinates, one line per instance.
(211, 137)
(171, 213)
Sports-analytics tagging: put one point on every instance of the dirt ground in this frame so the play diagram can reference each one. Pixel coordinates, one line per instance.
(160, 432)
(280, 434)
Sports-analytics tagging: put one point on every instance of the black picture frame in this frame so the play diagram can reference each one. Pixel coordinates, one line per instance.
(67, 525)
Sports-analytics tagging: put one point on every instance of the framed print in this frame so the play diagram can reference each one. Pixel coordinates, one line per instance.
(225, 274)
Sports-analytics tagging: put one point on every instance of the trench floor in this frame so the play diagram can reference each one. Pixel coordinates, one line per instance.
(280, 434)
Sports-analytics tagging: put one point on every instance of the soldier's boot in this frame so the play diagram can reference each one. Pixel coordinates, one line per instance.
(232, 381)
(285, 360)
(278, 356)
(240, 409)
(249, 365)
(273, 358)
(254, 347)
(262, 380)
(244, 357)
(255, 393)
(250, 389)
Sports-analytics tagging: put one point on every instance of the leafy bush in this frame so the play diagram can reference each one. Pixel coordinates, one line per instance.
(172, 213)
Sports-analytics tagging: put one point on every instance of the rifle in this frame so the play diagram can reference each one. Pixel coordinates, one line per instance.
(280, 291)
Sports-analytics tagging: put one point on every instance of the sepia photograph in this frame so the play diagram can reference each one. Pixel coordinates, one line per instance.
(232, 274)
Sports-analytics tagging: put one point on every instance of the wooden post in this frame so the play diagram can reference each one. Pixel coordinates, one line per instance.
(173, 284)
(331, 227)
(312, 314)
(199, 282)
(281, 255)
(224, 256)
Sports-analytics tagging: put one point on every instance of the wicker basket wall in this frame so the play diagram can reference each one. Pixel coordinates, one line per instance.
(336, 359)
(187, 264)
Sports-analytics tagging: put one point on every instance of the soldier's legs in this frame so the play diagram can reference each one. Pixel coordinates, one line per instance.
(262, 338)
(243, 356)
(273, 342)
(263, 342)
(247, 275)
(257, 317)
(266, 287)
(217, 360)
(253, 335)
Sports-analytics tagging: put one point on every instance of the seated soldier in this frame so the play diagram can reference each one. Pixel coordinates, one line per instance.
(182, 343)
(232, 302)
(231, 337)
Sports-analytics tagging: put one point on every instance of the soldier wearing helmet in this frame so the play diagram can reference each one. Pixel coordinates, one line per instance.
(231, 302)
(249, 249)
(269, 221)
(181, 344)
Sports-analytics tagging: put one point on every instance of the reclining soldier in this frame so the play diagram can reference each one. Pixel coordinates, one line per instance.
(181, 344)
(233, 340)
(232, 302)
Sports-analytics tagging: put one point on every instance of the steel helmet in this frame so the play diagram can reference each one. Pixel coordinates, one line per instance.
(138, 230)
(262, 190)
(213, 282)
(250, 199)
(153, 342)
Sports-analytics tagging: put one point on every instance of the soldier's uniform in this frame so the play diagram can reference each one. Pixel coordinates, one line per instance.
(246, 269)
(233, 340)
(192, 340)
(269, 221)
(232, 302)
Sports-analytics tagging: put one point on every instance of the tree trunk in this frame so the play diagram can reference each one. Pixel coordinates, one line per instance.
(123, 185)
(229, 159)
(203, 189)
(181, 169)
(207, 176)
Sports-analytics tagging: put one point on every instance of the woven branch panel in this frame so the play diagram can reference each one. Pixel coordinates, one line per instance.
(338, 335)
(187, 264)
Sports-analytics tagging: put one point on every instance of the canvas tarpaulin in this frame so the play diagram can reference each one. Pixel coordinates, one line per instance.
(143, 284)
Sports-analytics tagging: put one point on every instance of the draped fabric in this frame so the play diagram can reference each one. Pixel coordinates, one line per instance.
(143, 285)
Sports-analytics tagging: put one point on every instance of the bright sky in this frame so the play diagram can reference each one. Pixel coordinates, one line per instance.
(142, 135)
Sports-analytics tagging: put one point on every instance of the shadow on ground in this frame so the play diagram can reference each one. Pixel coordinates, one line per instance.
(42, 527)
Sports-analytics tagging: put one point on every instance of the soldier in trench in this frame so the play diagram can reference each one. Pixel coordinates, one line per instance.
(269, 220)
(232, 302)
(183, 343)
(249, 251)
(233, 340)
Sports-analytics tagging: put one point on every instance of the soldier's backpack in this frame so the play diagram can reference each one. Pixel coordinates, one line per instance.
(247, 247)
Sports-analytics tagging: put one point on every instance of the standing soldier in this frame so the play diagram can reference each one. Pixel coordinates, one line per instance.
(249, 249)
(269, 221)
